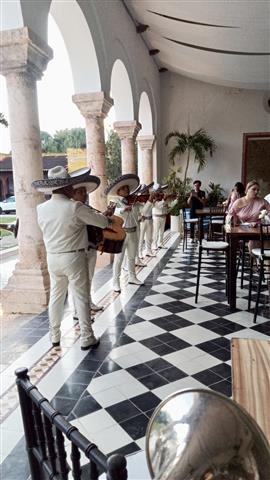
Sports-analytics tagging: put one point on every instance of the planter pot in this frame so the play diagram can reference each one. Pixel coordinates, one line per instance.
(175, 223)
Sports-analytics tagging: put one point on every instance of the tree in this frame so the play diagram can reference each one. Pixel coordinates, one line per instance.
(199, 143)
(113, 156)
(47, 143)
(3, 121)
(63, 139)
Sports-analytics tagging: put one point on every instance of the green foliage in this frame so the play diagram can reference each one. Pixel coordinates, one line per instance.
(199, 143)
(3, 121)
(179, 187)
(215, 194)
(113, 156)
(63, 139)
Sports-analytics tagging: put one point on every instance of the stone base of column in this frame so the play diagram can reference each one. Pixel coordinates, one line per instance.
(104, 259)
(27, 291)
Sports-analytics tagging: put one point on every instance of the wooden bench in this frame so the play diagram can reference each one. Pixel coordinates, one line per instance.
(251, 379)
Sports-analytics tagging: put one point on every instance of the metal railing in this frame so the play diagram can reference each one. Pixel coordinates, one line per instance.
(46, 431)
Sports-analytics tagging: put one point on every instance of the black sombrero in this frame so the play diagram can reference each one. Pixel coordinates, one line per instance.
(129, 179)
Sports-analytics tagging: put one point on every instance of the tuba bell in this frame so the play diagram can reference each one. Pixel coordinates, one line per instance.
(202, 435)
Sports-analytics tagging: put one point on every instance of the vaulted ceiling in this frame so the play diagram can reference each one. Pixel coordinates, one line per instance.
(225, 42)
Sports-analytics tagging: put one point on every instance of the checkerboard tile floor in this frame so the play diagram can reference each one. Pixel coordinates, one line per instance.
(168, 343)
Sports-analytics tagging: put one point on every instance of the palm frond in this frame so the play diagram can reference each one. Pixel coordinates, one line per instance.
(177, 150)
(170, 135)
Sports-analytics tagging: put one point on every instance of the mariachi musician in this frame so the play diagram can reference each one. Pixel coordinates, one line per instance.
(161, 209)
(81, 194)
(147, 200)
(121, 189)
(63, 224)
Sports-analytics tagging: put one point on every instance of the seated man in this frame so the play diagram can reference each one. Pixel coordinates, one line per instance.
(195, 201)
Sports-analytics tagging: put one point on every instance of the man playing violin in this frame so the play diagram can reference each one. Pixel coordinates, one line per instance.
(146, 221)
(121, 188)
(161, 208)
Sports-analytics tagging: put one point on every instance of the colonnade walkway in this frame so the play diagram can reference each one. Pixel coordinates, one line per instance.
(154, 340)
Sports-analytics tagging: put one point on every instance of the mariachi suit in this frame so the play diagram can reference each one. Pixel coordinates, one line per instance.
(160, 211)
(131, 241)
(146, 228)
(63, 223)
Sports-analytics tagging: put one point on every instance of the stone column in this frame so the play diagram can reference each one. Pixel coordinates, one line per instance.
(146, 143)
(128, 132)
(23, 58)
(95, 107)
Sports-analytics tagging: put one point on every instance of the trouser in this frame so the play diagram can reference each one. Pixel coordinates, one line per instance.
(92, 259)
(69, 269)
(192, 225)
(158, 231)
(146, 233)
(130, 246)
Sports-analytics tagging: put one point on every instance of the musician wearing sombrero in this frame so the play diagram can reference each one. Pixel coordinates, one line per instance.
(146, 220)
(120, 189)
(63, 222)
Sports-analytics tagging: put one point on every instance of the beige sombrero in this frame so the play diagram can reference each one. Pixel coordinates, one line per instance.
(58, 177)
(129, 179)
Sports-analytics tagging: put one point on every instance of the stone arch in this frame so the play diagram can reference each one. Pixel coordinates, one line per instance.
(121, 92)
(145, 115)
(84, 62)
(146, 88)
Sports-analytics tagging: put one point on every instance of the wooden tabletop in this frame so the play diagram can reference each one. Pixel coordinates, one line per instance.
(251, 379)
(238, 230)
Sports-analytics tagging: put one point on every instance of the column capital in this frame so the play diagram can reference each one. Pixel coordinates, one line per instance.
(128, 129)
(93, 104)
(146, 142)
(22, 51)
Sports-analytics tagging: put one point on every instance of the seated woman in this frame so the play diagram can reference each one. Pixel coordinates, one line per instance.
(237, 192)
(249, 207)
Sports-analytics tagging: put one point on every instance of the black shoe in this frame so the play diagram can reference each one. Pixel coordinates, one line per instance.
(56, 344)
(93, 345)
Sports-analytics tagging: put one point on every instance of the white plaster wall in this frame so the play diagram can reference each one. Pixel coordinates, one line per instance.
(225, 113)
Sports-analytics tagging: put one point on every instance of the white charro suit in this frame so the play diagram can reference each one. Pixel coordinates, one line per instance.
(146, 228)
(160, 210)
(63, 223)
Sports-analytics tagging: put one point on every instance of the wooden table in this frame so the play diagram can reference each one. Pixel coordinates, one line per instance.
(234, 235)
(251, 379)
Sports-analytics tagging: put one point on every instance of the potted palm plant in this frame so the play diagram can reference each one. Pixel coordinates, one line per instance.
(198, 143)
(215, 194)
(178, 189)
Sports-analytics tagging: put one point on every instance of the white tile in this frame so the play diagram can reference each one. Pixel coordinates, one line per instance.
(128, 349)
(202, 301)
(110, 380)
(94, 422)
(182, 356)
(202, 291)
(149, 313)
(141, 442)
(111, 438)
(248, 333)
(132, 388)
(164, 288)
(203, 280)
(171, 271)
(194, 334)
(245, 318)
(158, 299)
(142, 356)
(109, 397)
(187, 382)
(168, 279)
(173, 264)
(143, 330)
(197, 315)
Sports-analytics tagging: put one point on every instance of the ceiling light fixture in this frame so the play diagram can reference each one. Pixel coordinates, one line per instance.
(154, 51)
(140, 28)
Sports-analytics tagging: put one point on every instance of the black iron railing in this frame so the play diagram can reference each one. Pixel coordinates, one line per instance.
(46, 431)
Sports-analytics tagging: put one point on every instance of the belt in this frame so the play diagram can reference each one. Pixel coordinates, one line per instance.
(148, 218)
(160, 214)
(69, 251)
(130, 229)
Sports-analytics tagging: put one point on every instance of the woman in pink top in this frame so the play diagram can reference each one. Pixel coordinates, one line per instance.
(238, 191)
(249, 207)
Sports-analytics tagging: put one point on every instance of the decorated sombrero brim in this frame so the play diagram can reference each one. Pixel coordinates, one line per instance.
(59, 178)
(129, 179)
(144, 188)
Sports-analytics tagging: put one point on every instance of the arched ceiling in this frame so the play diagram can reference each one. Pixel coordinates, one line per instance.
(225, 42)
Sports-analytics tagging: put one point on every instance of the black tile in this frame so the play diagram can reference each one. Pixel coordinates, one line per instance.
(151, 342)
(218, 296)
(163, 349)
(165, 337)
(83, 377)
(222, 354)
(207, 377)
(262, 328)
(123, 411)
(223, 342)
(171, 374)
(87, 404)
(108, 366)
(181, 322)
(140, 370)
(154, 380)
(223, 387)
(146, 401)
(16, 465)
(63, 405)
(179, 294)
(223, 369)
(136, 426)
(178, 344)
(208, 347)
(71, 390)
(89, 364)
(124, 340)
(158, 364)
